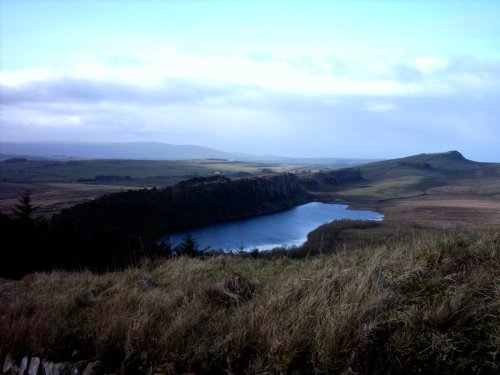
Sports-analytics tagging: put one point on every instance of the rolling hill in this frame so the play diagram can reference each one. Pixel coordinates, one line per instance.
(130, 150)
(439, 189)
(409, 176)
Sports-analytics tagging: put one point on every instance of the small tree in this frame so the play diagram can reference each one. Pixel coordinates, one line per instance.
(188, 247)
(24, 208)
(23, 211)
(28, 242)
(162, 249)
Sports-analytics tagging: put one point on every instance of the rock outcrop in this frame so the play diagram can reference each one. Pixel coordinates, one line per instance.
(333, 178)
(189, 204)
(36, 366)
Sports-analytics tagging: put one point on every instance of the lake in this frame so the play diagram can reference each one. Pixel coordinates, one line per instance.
(265, 232)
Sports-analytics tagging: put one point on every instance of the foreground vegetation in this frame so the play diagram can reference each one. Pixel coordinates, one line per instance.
(427, 303)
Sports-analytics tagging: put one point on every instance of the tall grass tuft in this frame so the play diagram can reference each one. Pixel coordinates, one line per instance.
(428, 303)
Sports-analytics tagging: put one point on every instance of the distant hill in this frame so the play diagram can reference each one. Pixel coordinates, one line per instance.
(398, 178)
(445, 162)
(152, 151)
(131, 150)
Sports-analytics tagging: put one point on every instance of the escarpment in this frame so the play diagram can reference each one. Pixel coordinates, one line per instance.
(223, 200)
(328, 179)
(189, 204)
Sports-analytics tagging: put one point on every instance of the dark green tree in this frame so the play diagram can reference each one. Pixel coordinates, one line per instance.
(25, 245)
(188, 247)
(24, 209)
(162, 249)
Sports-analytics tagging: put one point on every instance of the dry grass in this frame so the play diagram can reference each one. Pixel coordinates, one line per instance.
(444, 211)
(53, 197)
(429, 304)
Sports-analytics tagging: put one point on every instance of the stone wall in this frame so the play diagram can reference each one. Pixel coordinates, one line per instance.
(36, 366)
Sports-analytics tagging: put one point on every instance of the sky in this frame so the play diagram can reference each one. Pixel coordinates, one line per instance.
(357, 79)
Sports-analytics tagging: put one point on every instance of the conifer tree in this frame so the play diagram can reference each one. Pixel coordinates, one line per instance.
(24, 209)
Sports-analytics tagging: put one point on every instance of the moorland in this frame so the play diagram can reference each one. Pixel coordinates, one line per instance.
(59, 184)
(416, 293)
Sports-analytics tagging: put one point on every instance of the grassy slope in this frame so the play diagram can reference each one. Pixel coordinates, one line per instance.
(430, 190)
(428, 303)
(415, 175)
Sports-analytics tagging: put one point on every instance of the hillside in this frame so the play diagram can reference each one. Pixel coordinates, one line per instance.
(444, 162)
(129, 150)
(410, 174)
(421, 305)
(441, 189)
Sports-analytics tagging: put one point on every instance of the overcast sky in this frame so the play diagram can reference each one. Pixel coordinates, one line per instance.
(299, 78)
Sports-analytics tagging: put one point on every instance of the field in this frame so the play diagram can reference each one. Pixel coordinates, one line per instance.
(60, 184)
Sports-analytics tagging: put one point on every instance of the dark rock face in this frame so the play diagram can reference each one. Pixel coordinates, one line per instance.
(206, 203)
(333, 178)
(200, 181)
(343, 176)
(454, 155)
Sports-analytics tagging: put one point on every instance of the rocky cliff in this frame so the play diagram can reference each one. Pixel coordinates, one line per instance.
(215, 200)
(189, 204)
(327, 179)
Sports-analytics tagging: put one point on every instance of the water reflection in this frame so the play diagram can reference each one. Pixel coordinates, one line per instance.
(268, 231)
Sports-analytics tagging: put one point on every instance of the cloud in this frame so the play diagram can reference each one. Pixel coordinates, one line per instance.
(74, 90)
(381, 107)
(173, 76)
(318, 106)
(429, 64)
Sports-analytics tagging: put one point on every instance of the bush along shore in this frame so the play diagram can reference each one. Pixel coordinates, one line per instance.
(425, 304)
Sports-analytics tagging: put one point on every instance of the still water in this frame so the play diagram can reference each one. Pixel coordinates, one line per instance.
(268, 231)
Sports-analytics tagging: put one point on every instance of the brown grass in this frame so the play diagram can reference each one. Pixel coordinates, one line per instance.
(444, 211)
(53, 197)
(426, 304)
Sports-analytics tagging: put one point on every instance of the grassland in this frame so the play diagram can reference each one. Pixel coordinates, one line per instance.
(427, 303)
(430, 190)
(60, 184)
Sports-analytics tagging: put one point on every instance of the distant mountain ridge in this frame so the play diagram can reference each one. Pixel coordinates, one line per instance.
(129, 150)
(151, 151)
